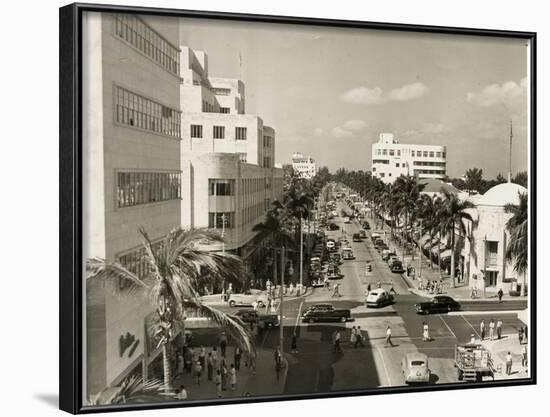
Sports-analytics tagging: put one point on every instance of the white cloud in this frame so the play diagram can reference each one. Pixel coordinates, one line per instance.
(354, 125)
(363, 95)
(408, 92)
(338, 132)
(506, 92)
(434, 128)
(318, 132)
(366, 95)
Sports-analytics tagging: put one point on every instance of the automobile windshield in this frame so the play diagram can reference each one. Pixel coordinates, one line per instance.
(417, 363)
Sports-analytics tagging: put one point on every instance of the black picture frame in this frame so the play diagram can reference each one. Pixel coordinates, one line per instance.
(70, 204)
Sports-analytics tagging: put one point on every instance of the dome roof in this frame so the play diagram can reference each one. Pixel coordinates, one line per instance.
(434, 185)
(502, 194)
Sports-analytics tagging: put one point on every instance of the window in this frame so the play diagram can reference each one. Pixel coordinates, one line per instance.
(135, 188)
(398, 152)
(134, 110)
(412, 153)
(137, 262)
(384, 151)
(438, 154)
(221, 91)
(397, 165)
(443, 154)
(221, 187)
(243, 157)
(382, 175)
(219, 132)
(267, 141)
(240, 133)
(225, 220)
(196, 131)
(373, 169)
(391, 152)
(224, 109)
(141, 36)
(425, 154)
(431, 154)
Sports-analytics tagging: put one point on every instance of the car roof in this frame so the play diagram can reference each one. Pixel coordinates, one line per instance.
(416, 356)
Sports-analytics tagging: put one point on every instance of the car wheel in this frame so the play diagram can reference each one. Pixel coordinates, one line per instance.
(232, 303)
(260, 304)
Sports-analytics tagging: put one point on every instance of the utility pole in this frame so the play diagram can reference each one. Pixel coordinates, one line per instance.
(281, 330)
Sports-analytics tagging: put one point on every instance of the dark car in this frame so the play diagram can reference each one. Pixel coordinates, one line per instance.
(438, 304)
(363, 233)
(397, 266)
(252, 316)
(356, 237)
(326, 314)
(333, 226)
(366, 225)
(387, 256)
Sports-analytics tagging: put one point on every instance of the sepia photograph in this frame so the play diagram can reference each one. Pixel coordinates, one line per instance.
(276, 209)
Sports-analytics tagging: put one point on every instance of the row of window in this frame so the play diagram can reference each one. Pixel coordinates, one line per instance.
(142, 37)
(267, 162)
(429, 171)
(429, 164)
(381, 161)
(136, 261)
(397, 152)
(243, 157)
(252, 213)
(208, 107)
(267, 141)
(218, 132)
(134, 188)
(223, 220)
(221, 91)
(134, 110)
(221, 187)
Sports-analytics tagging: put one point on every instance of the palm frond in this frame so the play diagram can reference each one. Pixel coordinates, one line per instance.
(115, 277)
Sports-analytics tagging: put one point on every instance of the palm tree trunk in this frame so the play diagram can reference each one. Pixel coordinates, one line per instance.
(274, 266)
(439, 251)
(167, 368)
(453, 284)
(523, 290)
(430, 250)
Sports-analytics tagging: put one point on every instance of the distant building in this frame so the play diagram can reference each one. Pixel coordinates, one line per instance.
(304, 166)
(227, 158)
(391, 159)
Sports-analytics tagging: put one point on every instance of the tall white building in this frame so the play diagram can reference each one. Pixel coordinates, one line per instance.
(391, 159)
(227, 158)
(304, 166)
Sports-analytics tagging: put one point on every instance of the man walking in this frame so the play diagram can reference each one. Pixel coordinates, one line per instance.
(237, 358)
(524, 356)
(425, 332)
(500, 294)
(391, 288)
(508, 363)
(337, 347)
(388, 337)
(492, 329)
(294, 343)
(223, 343)
(482, 330)
(358, 337)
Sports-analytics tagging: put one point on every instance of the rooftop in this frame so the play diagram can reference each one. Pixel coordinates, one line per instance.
(502, 194)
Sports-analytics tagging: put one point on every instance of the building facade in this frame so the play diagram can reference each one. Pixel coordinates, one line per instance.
(304, 166)
(391, 159)
(227, 158)
(132, 174)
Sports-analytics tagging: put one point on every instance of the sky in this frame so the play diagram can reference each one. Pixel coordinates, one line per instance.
(330, 92)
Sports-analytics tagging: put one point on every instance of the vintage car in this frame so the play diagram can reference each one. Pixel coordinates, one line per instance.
(415, 368)
(248, 298)
(252, 316)
(347, 220)
(387, 254)
(333, 226)
(397, 267)
(379, 298)
(347, 254)
(356, 237)
(326, 314)
(331, 245)
(362, 233)
(438, 304)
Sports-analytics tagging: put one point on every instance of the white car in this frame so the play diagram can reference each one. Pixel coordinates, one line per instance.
(247, 298)
(379, 298)
(347, 220)
(331, 245)
(415, 368)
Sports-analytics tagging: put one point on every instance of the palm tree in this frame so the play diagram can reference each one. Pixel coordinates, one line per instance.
(177, 265)
(453, 215)
(474, 180)
(132, 390)
(517, 226)
(428, 211)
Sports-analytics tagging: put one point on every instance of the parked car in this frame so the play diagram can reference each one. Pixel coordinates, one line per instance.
(438, 304)
(387, 255)
(252, 316)
(247, 298)
(326, 315)
(366, 225)
(392, 259)
(356, 237)
(347, 220)
(363, 233)
(415, 368)
(397, 267)
(331, 245)
(347, 254)
(333, 226)
(379, 298)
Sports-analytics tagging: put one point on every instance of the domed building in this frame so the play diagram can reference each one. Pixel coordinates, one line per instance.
(483, 254)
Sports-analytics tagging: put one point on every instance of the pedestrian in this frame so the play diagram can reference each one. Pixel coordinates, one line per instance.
(181, 364)
(202, 356)
(294, 343)
(366, 296)
(524, 356)
(499, 329)
(182, 394)
(492, 329)
(508, 363)
(500, 294)
(337, 347)
(223, 343)
(336, 292)
(520, 334)
(278, 357)
(223, 371)
(218, 382)
(368, 288)
(472, 339)
(425, 332)
(358, 337)
(525, 334)
(233, 377)
(210, 366)
(379, 284)
(388, 337)
(482, 330)
(198, 372)
(188, 359)
(237, 357)
(353, 337)
(391, 288)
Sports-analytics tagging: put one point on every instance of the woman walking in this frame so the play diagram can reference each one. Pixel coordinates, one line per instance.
(426, 332)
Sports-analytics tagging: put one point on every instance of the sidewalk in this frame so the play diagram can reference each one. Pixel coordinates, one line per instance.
(499, 349)
(461, 292)
(261, 381)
